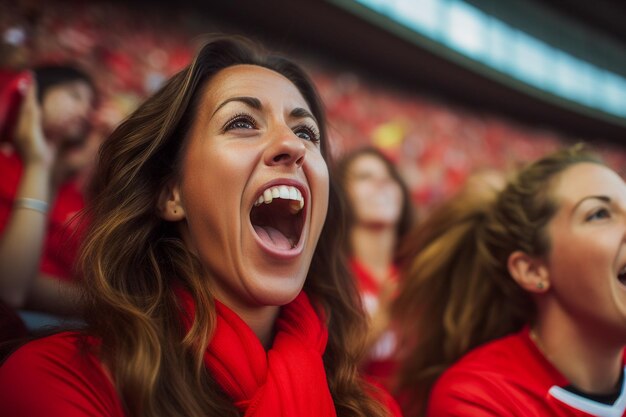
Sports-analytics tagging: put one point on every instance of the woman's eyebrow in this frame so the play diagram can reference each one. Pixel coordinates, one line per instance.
(299, 112)
(253, 102)
(603, 198)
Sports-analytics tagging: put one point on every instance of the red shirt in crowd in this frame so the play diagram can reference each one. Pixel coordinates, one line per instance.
(510, 377)
(57, 376)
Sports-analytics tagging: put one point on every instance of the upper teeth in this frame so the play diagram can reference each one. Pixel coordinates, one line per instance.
(286, 192)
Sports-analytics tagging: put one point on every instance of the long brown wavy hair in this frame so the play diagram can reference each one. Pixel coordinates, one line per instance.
(456, 292)
(132, 258)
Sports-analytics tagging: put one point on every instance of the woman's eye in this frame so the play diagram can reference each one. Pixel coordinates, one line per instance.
(240, 122)
(307, 133)
(599, 214)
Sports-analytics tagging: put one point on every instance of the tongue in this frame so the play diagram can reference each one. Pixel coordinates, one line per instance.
(273, 237)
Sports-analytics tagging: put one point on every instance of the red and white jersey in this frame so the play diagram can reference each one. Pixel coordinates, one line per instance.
(510, 377)
(381, 364)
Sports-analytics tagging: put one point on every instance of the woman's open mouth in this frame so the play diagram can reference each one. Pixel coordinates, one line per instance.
(278, 217)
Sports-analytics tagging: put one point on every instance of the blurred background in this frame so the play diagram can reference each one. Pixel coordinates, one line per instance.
(443, 87)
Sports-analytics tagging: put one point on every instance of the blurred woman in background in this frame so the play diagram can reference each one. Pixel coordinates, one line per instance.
(43, 153)
(379, 215)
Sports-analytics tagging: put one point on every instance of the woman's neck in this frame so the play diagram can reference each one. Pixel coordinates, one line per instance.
(261, 320)
(374, 248)
(580, 353)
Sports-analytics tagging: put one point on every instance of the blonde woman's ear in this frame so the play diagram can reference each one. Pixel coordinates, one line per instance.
(170, 205)
(529, 272)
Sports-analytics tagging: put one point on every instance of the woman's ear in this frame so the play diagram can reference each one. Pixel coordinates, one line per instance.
(170, 206)
(529, 272)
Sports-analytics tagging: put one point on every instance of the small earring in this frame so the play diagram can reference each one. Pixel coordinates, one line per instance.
(540, 285)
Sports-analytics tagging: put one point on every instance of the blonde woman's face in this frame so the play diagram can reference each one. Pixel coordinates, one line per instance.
(375, 196)
(254, 187)
(587, 258)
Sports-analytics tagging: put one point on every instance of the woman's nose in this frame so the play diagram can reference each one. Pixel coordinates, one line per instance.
(285, 148)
